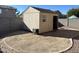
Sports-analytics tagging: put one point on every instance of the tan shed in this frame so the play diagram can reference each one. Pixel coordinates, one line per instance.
(40, 20)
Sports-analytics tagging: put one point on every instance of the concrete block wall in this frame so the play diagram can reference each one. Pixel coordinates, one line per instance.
(8, 24)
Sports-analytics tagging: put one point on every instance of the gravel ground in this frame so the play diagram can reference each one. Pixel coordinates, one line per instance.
(75, 47)
(69, 34)
(73, 24)
(35, 43)
(65, 32)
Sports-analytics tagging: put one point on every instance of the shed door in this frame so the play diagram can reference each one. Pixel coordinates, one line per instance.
(55, 21)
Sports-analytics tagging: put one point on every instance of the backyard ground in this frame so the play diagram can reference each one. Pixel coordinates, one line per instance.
(74, 24)
(30, 42)
(61, 37)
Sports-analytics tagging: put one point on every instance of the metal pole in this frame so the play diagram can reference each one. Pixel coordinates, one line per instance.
(67, 21)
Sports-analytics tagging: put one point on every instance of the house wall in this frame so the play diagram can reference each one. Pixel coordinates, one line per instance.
(8, 12)
(74, 23)
(9, 22)
(31, 19)
(63, 21)
(48, 25)
(9, 25)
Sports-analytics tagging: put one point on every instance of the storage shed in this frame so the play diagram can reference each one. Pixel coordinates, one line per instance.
(73, 22)
(39, 20)
(73, 17)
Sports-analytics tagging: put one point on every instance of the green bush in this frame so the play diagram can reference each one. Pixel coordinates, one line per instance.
(73, 12)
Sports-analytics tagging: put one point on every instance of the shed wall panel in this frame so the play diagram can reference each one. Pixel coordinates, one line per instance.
(31, 21)
(48, 25)
(31, 10)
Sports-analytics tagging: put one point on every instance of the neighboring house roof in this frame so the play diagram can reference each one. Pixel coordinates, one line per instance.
(7, 7)
(73, 17)
(41, 10)
(60, 14)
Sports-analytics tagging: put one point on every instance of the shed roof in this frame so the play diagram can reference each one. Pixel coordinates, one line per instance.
(7, 7)
(41, 10)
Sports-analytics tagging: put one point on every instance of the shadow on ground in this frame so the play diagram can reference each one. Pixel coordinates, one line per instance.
(13, 33)
(1, 51)
(60, 24)
(64, 33)
(23, 29)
